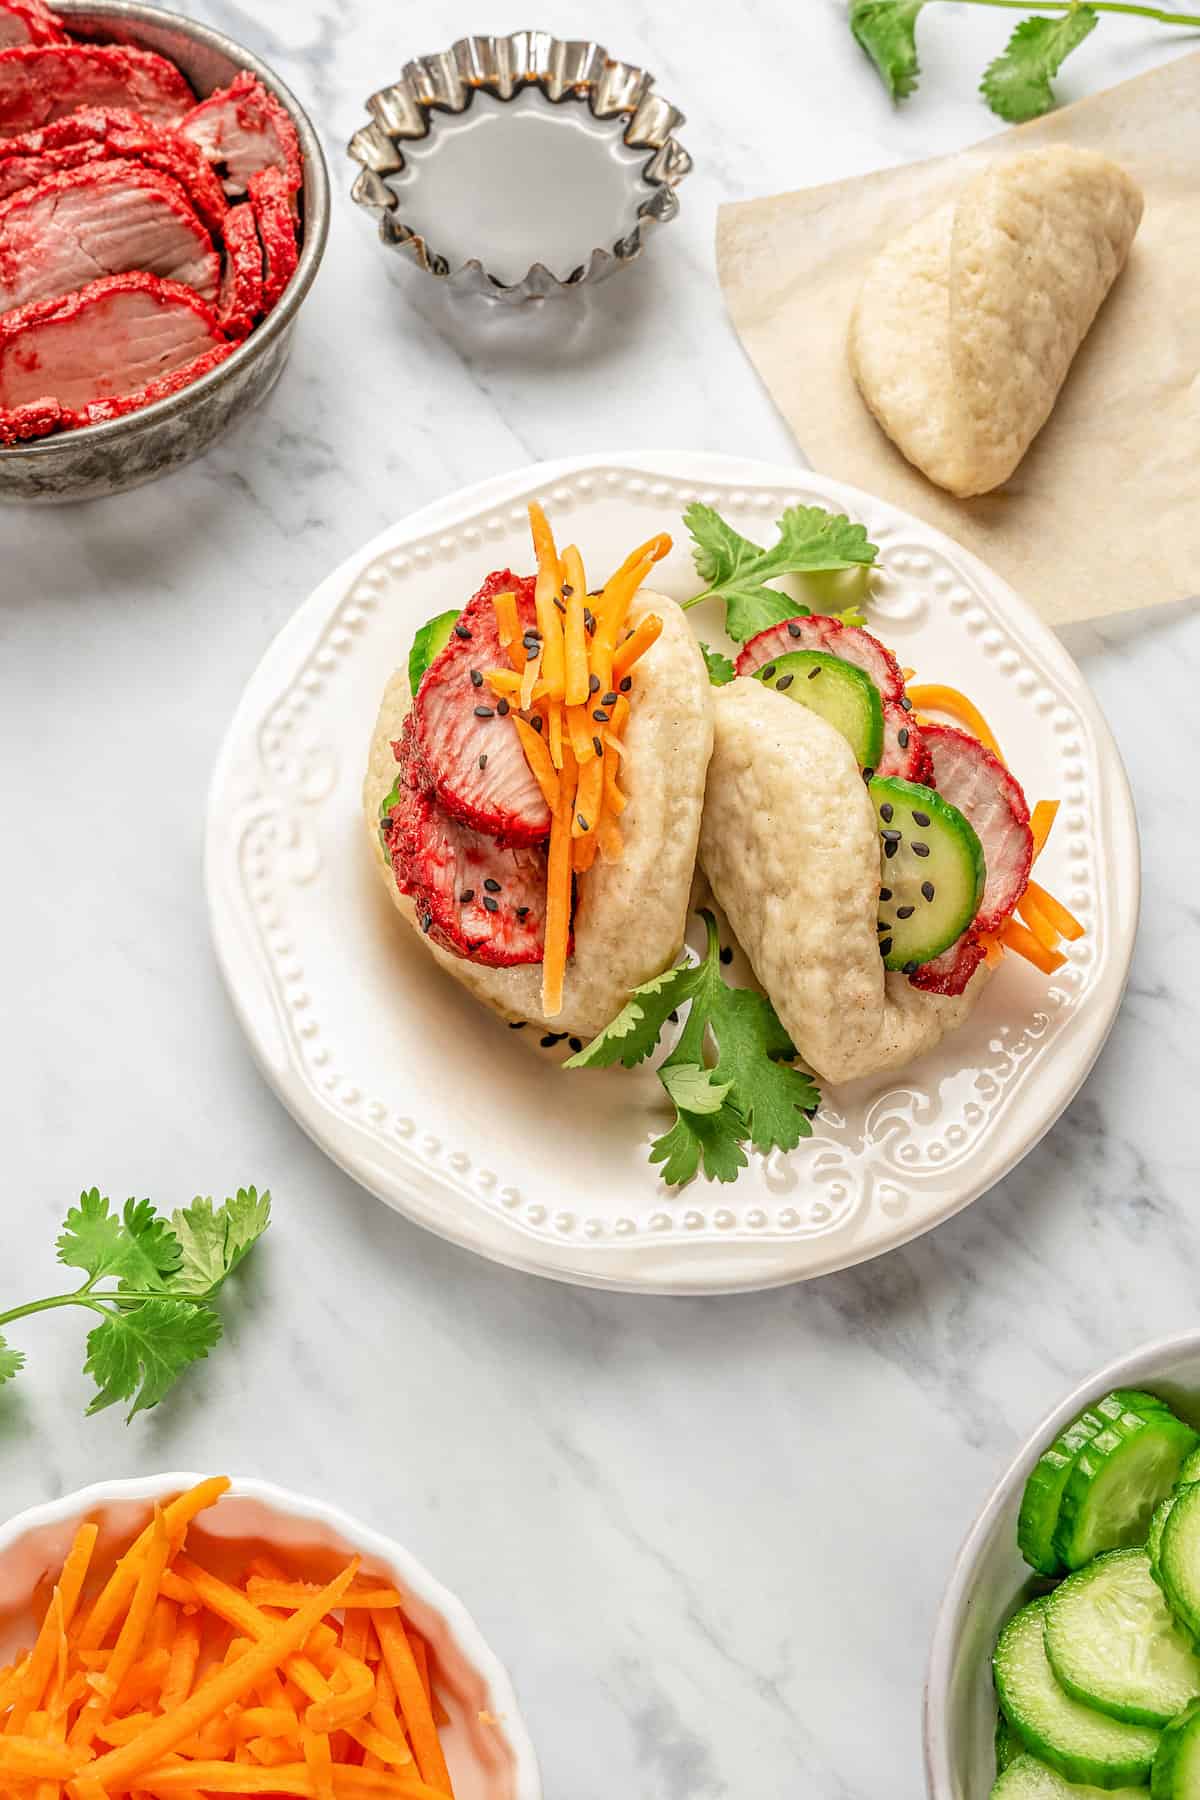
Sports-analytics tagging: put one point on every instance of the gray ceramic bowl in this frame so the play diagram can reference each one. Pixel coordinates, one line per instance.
(990, 1579)
(107, 459)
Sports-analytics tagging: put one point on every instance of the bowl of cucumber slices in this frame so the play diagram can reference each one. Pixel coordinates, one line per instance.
(1066, 1656)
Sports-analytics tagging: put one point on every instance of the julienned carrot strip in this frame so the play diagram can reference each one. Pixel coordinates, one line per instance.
(1038, 923)
(583, 854)
(544, 773)
(508, 623)
(588, 797)
(120, 1769)
(547, 598)
(1041, 823)
(614, 799)
(503, 681)
(30, 1759)
(31, 1686)
(406, 1679)
(647, 632)
(554, 731)
(558, 900)
(230, 1604)
(371, 1739)
(353, 1701)
(579, 728)
(936, 697)
(176, 1779)
(134, 1627)
(293, 1593)
(318, 1759)
(121, 1583)
(575, 638)
(614, 605)
(1015, 936)
(181, 1671)
(652, 551)
(532, 686)
(163, 1625)
(1064, 922)
(143, 1682)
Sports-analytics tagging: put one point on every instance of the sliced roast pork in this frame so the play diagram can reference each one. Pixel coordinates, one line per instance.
(101, 219)
(97, 134)
(905, 751)
(241, 299)
(271, 199)
(465, 738)
(245, 129)
(950, 972)
(98, 412)
(472, 896)
(29, 22)
(816, 631)
(39, 83)
(108, 342)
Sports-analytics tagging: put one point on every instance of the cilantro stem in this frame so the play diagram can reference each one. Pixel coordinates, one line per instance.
(79, 1298)
(1160, 13)
(708, 594)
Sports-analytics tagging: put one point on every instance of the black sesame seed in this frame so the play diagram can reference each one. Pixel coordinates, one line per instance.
(484, 712)
(483, 760)
(890, 837)
(536, 721)
(502, 707)
(868, 773)
(609, 700)
(768, 672)
(626, 683)
(906, 703)
(589, 619)
(885, 893)
(597, 746)
(583, 824)
(794, 630)
(910, 968)
(902, 737)
(568, 590)
(466, 897)
(522, 913)
(890, 849)
(593, 684)
(814, 671)
(921, 818)
(576, 1044)
(517, 1024)
(885, 812)
(493, 887)
(462, 632)
(562, 609)
(905, 912)
(726, 954)
(885, 946)
(785, 681)
(427, 922)
(919, 849)
(476, 678)
(490, 905)
(674, 1017)
(531, 651)
(927, 889)
(600, 716)
(548, 1041)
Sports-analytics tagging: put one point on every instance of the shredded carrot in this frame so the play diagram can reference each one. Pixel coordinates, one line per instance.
(508, 624)
(537, 755)
(1041, 823)
(588, 796)
(558, 901)
(581, 731)
(646, 632)
(1018, 937)
(583, 854)
(531, 684)
(1065, 923)
(31, 1686)
(1037, 922)
(349, 1783)
(129, 1640)
(938, 698)
(547, 600)
(418, 1717)
(574, 630)
(181, 1671)
(293, 1593)
(554, 730)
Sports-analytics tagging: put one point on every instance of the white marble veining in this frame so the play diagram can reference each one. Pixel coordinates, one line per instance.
(706, 1536)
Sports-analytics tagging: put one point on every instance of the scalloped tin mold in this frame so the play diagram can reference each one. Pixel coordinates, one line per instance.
(535, 164)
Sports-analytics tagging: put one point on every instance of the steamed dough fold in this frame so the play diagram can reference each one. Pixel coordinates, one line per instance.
(632, 913)
(967, 323)
(790, 845)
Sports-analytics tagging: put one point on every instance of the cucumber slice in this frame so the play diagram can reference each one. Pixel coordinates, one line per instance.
(1028, 1779)
(1008, 1747)
(1113, 1644)
(1078, 1742)
(429, 643)
(840, 691)
(1176, 1772)
(1118, 1478)
(1044, 1491)
(1179, 1557)
(1158, 1523)
(1190, 1468)
(932, 872)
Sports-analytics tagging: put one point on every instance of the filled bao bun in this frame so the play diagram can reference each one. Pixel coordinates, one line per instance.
(790, 845)
(630, 915)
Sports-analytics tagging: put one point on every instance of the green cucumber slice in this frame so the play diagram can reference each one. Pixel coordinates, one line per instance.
(1189, 1470)
(1179, 1557)
(932, 872)
(1113, 1644)
(1043, 1494)
(1078, 1742)
(839, 691)
(429, 643)
(1118, 1478)
(1176, 1772)
(1008, 1747)
(1158, 1524)
(1026, 1778)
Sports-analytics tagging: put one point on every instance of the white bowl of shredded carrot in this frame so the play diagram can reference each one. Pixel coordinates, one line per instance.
(172, 1635)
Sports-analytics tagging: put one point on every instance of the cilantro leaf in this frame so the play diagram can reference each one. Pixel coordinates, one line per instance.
(11, 1362)
(713, 1138)
(213, 1240)
(811, 540)
(755, 1061)
(92, 1238)
(632, 1035)
(138, 1354)
(151, 1251)
(887, 31)
(694, 1088)
(1017, 84)
(720, 670)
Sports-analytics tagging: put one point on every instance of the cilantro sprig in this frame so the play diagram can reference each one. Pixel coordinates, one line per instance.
(152, 1283)
(736, 570)
(749, 1094)
(1017, 83)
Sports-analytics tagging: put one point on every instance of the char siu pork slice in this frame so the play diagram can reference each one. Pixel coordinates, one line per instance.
(819, 632)
(109, 341)
(990, 797)
(464, 734)
(904, 749)
(98, 412)
(241, 299)
(101, 219)
(245, 129)
(271, 200)
(98, 134)
(29, 22)
(472, 896)
(41, 82)
(950, 972)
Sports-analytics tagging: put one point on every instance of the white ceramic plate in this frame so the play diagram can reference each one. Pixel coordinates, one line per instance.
(383, 1060)
(487, 1761)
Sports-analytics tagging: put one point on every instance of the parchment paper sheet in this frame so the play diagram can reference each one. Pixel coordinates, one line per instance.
(1103, 514)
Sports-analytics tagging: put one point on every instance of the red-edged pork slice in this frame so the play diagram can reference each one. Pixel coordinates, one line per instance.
(473, 896)
(98, 412)
(29, 22)
(950, 972)
(990, 797)
(109, 340)
(465, 738)
(37, 419)
(102, 219)
(245, 129)
(42, 82)
(904, 749)
(98, 134)
(242, 277)
(816, 631)
(271, 199)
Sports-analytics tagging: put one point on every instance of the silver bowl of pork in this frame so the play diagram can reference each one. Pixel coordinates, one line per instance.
(94, 460)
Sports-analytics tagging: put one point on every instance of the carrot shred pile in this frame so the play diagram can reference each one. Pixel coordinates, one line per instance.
(1044, 922)
(570, 686)
(172, 1680)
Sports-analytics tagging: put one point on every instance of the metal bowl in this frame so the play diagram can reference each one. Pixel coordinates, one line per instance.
(124, 453)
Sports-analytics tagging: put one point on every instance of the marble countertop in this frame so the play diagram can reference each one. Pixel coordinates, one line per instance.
(708, 1537)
